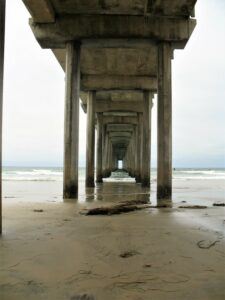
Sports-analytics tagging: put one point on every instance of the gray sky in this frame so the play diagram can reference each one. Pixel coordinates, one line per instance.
(34, 95)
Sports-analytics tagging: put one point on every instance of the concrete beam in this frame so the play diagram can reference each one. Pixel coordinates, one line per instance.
(119, 61)
(110, 83)
(146, 44)
(122, 140)
(109, 106)
(171, 8)
(139, 43)
(119, 114)
(127, 7)
(119, 127)
(120, 134)
(41, 11)
(68, 27)
(118, 119)
(125, 95)
(116, 95)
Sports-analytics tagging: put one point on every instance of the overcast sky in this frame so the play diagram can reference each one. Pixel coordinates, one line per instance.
(34, 95)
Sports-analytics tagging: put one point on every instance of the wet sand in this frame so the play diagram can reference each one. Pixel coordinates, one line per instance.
(169, 253)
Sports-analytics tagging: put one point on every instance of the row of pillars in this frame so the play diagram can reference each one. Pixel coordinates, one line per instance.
(164, 154)
(72, 102)
(137, 152)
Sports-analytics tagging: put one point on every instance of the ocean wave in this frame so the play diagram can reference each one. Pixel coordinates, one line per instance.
(202, 172)
(29, 179)
(32, 175)
(56, 174)
(199, 177)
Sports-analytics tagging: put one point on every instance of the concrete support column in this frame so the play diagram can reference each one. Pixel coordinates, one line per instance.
(164, 170)
(109, 158)
(2, 47)
(71, 127)
(99, 175)
(106, 153)
(133, 154)
(138, 149)
(90, 144)
(103, 149)
(146, 150)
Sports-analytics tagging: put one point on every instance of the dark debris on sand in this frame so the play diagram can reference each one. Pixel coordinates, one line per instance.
(82, 297)
(123, 207)
(127, 254)
(194, 206)
(219, 204)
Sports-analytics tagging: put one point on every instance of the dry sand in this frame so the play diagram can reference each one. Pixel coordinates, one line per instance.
(155, 254)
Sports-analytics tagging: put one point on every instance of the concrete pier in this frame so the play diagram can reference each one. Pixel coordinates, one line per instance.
(115, 57)
(71, 131)
(2, 47)
(90, 142)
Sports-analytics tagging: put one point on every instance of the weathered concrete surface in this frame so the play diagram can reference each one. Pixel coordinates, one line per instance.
(122, 96)
(118, 108)
(146, 150)
(66, 28)
(110, 61)
(41, 11)
(90, 142)
(138, 150)
(99, 174)
(120, 134)
(119, 119)
(111, 82)
(2, 46)
(164, 157)
(126, 7)
(71, 135)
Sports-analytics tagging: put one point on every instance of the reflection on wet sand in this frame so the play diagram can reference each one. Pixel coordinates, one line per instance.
(50, 250)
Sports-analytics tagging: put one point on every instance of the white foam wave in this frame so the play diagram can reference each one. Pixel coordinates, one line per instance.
(32, 175)
(54, 174)
(203, 172)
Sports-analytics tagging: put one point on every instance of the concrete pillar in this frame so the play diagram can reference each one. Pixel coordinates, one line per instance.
(99, 175)
(146, 150)
(90, 145)
(71, 128)
(2, 46)
(138, 148)
(164, 170)
(133, 154)
(105, 151)
(109, 158)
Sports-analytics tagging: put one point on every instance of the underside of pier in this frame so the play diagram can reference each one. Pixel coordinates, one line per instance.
(116, 56)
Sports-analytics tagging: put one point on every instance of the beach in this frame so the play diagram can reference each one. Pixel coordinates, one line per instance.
(49, 250)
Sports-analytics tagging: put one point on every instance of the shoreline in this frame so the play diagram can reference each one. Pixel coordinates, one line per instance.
(153, 253)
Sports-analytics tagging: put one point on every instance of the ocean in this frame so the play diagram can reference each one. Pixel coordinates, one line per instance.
(56, 174)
